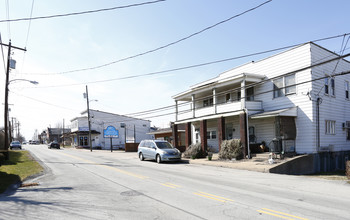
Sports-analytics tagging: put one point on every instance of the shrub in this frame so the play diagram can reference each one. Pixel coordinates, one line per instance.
(231, 149)
(194, 151)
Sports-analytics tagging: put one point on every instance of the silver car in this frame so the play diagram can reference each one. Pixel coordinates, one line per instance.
(158, 150)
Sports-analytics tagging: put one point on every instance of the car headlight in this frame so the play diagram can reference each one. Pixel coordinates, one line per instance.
(162, 152)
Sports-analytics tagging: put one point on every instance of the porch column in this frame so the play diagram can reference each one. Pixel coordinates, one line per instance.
(243, 94)
(203, 133)
(243, 132)
(214, 99)
(188, 138)
(176, 110)
(175, 136)
(193, 106)
(221, 130)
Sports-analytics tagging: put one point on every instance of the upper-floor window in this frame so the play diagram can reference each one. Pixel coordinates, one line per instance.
(330, 127)
(348, 130)
(284, 86)
(228, 97)
(329, 86)
(208, 102)
(249, 94)
(346, 89)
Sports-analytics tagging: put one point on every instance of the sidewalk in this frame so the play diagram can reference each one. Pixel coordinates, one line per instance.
(259, 163)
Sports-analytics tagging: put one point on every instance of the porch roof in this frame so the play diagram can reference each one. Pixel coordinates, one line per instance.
(291, 112)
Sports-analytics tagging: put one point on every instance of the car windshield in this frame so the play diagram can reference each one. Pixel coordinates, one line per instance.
(164, 145)
(15, 142)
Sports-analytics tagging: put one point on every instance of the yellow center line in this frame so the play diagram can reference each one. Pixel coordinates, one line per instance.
(167, 185)
(209, 197)
(108, 167)
(170, 185)
(271, 212)
(217, 196)
(280, 216)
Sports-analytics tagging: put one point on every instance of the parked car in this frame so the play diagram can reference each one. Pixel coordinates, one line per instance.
(24, 142)
(15, 144)
(54, 144)
(158, 150)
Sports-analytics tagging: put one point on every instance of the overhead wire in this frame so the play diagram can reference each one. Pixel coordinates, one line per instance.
(82, 12)
(28, 31)
(166, 45)
(188, 67)
(2, 52)
(239, 88)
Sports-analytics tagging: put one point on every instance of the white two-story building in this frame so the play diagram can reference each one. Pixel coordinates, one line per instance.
(296, 101)
(129, 130)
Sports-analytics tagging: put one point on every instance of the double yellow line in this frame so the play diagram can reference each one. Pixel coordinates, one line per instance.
(280, 214)
(213, 197)
(170, 185)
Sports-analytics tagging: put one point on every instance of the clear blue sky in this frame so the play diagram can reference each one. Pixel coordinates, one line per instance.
(76, 42)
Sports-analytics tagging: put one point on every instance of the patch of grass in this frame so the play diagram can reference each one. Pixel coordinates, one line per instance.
(20, 166)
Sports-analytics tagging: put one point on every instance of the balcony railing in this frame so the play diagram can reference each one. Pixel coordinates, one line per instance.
(219, 109)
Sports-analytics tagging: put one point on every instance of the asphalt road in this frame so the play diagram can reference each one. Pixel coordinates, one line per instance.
(79, 184)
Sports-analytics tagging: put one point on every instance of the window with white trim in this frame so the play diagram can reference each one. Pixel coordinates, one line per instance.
(284, 86)
(211, 134)
(346, 85)
(329, 86)
(330, 127)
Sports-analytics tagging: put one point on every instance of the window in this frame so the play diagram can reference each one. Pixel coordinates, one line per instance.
(208, 102)
(277, 88)
(348, 130)
(346, 89)
(330, 127)
(284, 86)
(290, 84)
(326, 89)
(211, 134)
(329, 86)
(250, 94)
(228, 97)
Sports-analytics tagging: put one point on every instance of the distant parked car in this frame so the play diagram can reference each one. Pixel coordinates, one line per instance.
(24, 142)
(15, 144)
(54, 144)
(158, 150)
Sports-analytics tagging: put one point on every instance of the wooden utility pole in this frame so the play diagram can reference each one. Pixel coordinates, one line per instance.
(6, 119)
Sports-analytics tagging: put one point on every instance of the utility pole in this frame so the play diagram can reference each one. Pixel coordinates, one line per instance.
(6, 140)
(88, 111)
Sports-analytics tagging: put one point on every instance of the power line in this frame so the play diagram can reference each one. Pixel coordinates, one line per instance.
(167, 45)
(30, 21)
(189, 67)
(3, 56)
(82, 12)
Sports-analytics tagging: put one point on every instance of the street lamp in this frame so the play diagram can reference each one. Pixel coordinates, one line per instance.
(6, 107)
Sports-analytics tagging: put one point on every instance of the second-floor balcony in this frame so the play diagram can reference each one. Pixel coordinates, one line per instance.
(229, 108)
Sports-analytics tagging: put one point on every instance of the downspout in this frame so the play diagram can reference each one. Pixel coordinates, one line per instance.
(318, 141)
(247, 132)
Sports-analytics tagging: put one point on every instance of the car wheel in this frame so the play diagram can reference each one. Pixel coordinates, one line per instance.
(158, 159)
(141, 157)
